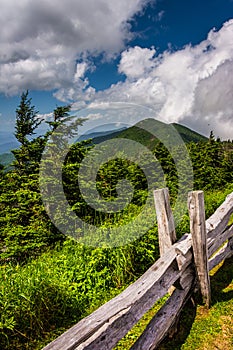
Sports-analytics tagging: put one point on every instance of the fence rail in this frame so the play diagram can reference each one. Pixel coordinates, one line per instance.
(184, 264)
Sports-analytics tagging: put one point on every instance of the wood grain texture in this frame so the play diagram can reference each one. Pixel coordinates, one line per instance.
(219, 220)
(181, 264)
(165, 220)
(166, 317)
(199, 242)
(215, 243)
(104, 326)
(224, 253)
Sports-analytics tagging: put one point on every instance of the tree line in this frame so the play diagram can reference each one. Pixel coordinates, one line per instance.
(25, 228)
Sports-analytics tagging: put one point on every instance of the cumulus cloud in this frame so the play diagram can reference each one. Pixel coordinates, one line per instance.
(94, 116)
(198, 83)
(45, 116)
(214, 94)
(136, 62)
(212, 108)
(40, 41)
(48, 45)
(193, 85)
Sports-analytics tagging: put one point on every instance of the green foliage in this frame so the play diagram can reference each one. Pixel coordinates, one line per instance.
(42, 297)
(188, 135)
(28, 155)
(169, 168)
(54, 291)
(25, 228)
(212, 162)
(23, 216)
(26, 119)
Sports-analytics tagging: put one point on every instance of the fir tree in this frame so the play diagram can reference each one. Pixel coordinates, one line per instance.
(29, 153)
(26, 119)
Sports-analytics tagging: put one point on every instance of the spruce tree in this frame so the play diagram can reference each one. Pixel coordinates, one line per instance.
(26, 119)
(25, 228)
(28, 155)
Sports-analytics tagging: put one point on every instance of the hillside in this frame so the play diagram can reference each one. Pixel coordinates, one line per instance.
(7, 142)
(187, 134)
(139, 133)
(136, 133)
(6, 158)
(65, 280)
(98, 137)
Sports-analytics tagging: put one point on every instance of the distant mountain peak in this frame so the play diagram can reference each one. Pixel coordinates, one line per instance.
(145, 130)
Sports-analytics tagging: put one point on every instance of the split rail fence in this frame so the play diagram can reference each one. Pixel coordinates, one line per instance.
(184, 264)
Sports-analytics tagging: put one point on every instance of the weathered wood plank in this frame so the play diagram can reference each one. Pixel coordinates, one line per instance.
(113, 328)
(165, 220)
(188, 277)
(184, 244)
(166, 317)
(103, 328)
(230, 243)
(128, 307)
(215, 243)
(199, 239)
(224, 253)
(183, 260)
(219, 220)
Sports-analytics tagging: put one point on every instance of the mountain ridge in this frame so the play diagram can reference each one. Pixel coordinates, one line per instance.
(138, 132)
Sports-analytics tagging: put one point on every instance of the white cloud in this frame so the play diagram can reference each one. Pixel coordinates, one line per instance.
(136, 62)
(81, 69)
(48, 45)
(193, 85)
(212, 108)
(198, 83)
(94, 116)
(40, 41)
(214, 94)
(45, 116)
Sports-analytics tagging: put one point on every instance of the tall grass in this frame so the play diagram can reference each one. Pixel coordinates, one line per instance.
(42, 298)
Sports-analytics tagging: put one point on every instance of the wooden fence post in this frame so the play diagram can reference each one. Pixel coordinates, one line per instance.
(199, 241)
(165, 220)
(112, 321)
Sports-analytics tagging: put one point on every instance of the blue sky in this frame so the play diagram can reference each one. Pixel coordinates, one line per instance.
(120, 61)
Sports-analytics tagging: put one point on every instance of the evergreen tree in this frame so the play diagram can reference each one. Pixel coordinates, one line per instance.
(25, 227)
(29, 153)
(63, 127)
(26, 119)
(1, 170)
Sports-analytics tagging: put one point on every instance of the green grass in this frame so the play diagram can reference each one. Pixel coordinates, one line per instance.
(51, 294)
(201, 329)
(138, 329)
(41, 299)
